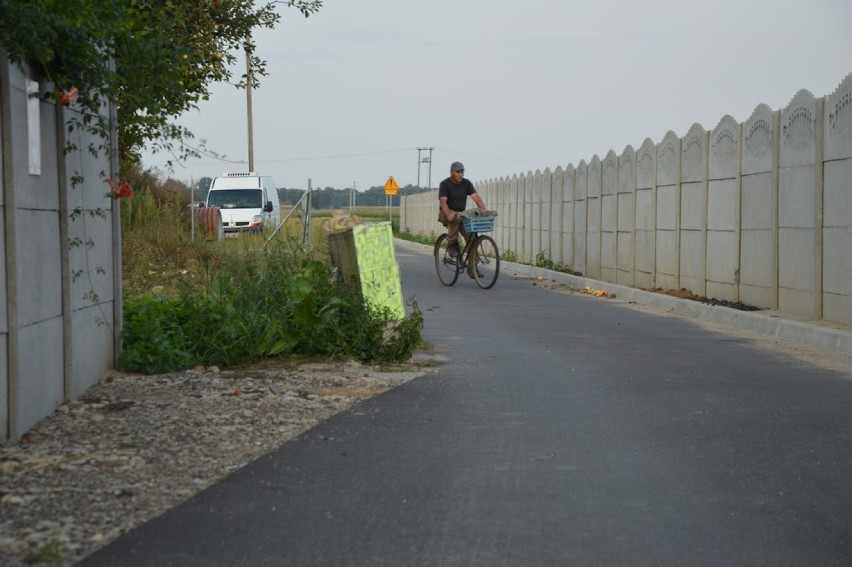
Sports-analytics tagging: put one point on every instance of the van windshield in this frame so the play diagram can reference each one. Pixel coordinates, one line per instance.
(235, 198)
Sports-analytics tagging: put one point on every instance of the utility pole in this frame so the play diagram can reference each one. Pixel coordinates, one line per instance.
(352, 198)
(430, 167)
(249, 85)
(422, 161)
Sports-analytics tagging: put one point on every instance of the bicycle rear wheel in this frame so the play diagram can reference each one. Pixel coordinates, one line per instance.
(486, 262)
(446, 265)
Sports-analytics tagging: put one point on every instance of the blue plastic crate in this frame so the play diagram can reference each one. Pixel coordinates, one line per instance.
(478, 224)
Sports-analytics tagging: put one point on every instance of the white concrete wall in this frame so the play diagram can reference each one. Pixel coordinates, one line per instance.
(758, 212)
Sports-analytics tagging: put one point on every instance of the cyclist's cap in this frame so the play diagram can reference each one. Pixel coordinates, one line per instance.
(457, 166)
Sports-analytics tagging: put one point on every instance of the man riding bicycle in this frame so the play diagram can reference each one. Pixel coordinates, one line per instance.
(452, 198)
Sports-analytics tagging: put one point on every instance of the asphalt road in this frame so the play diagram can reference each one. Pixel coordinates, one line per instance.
(562, 430)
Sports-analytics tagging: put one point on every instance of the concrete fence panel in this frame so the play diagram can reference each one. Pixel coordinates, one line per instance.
(646, 215)
(759, 209)
(667, 265)
(556, 215)
(799, 194)
(5, 402)
(609, 216)
(516, 215)
(581, 185)
(536, 229)
(526, 183)
(546, 183)
(837, 202)
(568, 220)
(723, 211)
(33, 255)
(500, 206)
(693, 210)
(593, 219)
(626, 195)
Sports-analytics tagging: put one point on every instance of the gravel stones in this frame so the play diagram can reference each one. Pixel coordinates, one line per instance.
(134, 446)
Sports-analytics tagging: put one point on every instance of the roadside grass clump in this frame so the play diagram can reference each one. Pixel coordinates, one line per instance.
(542, 261)
(241, 300)
(509, 256)
(49, 553)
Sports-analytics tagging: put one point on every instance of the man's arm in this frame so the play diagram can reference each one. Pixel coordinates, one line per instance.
(478, 200)
(451, 215)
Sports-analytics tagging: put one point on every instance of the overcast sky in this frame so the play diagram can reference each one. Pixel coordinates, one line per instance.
(508, 86)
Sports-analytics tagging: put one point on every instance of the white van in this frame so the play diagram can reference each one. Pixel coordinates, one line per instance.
(248, 201)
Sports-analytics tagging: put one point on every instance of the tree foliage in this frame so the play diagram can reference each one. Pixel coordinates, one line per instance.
(167, 54)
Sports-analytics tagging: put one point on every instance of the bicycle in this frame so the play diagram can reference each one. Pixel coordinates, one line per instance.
(480, 256)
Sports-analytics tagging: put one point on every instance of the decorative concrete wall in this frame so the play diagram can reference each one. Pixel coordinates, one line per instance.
(58, 324)
(758, 212)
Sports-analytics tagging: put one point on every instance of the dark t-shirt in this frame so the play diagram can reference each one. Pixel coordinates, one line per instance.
(456, 193)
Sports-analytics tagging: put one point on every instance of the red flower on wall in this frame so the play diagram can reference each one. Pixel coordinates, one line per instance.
(67, 97)
(120, 191)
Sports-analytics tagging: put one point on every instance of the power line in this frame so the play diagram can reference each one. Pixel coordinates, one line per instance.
(493, 158)
(218, 157)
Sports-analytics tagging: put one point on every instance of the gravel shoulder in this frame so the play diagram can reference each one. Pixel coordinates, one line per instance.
(135, 446)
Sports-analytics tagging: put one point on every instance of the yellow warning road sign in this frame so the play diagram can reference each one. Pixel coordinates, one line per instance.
(391, 187)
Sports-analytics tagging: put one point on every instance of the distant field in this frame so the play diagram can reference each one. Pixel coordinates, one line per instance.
(370, 212)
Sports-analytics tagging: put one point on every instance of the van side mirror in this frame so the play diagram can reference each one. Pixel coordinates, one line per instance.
(199, 204)
(268, 207)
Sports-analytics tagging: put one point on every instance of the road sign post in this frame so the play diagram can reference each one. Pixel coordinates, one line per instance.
(391, 189)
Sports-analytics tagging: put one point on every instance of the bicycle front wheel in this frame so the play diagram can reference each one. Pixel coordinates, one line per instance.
(486, 262)
(447, 266)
